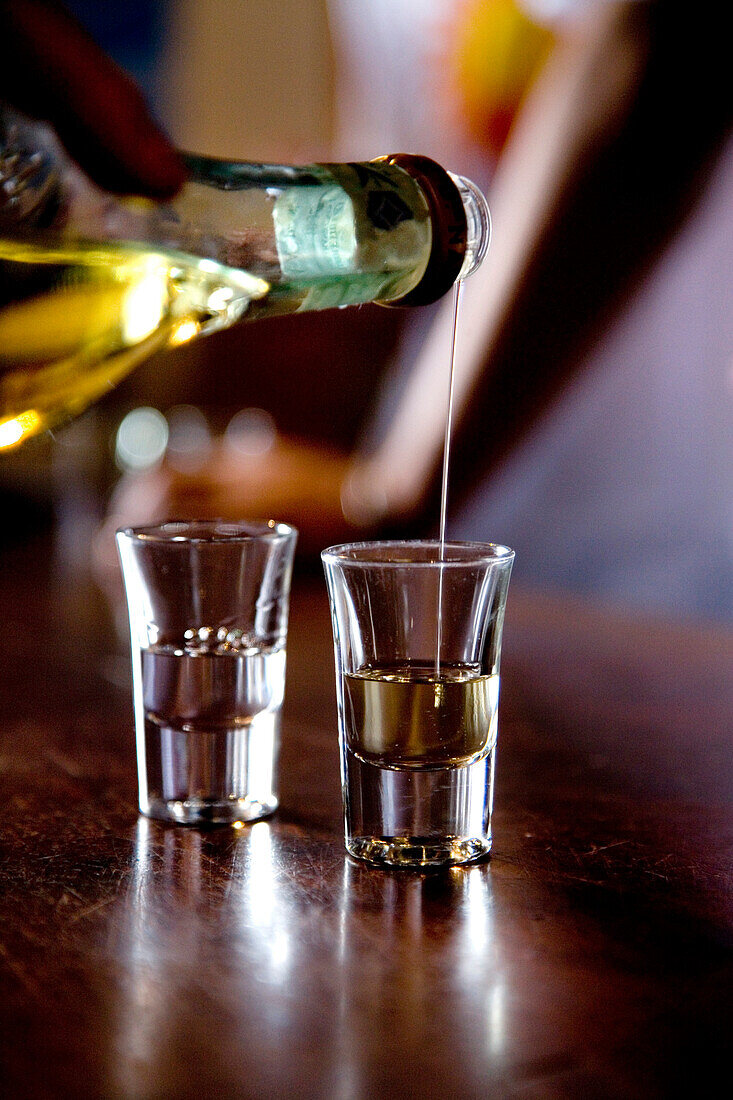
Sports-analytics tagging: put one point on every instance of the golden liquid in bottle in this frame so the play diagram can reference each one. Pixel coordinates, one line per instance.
(75, 318)
(77, 315)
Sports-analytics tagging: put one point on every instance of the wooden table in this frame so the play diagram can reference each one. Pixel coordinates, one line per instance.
(591, 957)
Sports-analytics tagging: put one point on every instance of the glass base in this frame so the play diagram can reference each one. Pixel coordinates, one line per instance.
(418, 852)
(209, 777)
(201, 811)
(405, 817)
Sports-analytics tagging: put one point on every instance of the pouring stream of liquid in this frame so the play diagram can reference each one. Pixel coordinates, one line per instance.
(446, 460)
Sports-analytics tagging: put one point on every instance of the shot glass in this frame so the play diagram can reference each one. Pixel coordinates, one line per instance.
(417, 637)
(208, 607)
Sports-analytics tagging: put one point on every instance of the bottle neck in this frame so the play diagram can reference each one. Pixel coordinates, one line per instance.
(460, 222)
(40, 189)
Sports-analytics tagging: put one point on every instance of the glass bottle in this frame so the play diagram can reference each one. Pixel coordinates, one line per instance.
(92, 283)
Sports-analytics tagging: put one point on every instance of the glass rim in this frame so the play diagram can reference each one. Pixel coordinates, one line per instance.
(365, 553)
(208, 532)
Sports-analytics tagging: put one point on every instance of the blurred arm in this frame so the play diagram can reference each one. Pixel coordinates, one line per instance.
(50, 68)
(580, 94)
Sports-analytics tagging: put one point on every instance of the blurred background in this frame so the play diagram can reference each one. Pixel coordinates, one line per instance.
(595, 346)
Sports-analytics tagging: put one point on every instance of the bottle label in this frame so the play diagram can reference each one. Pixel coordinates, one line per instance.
(315, 232)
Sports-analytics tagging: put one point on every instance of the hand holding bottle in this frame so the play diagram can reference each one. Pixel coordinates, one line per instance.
(51, 69)
(92, 283)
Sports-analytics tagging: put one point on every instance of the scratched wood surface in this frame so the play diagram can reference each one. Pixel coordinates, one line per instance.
(591, 957)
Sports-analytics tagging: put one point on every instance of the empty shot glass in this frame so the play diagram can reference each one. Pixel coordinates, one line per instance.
(208, 608)
(418, 641)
